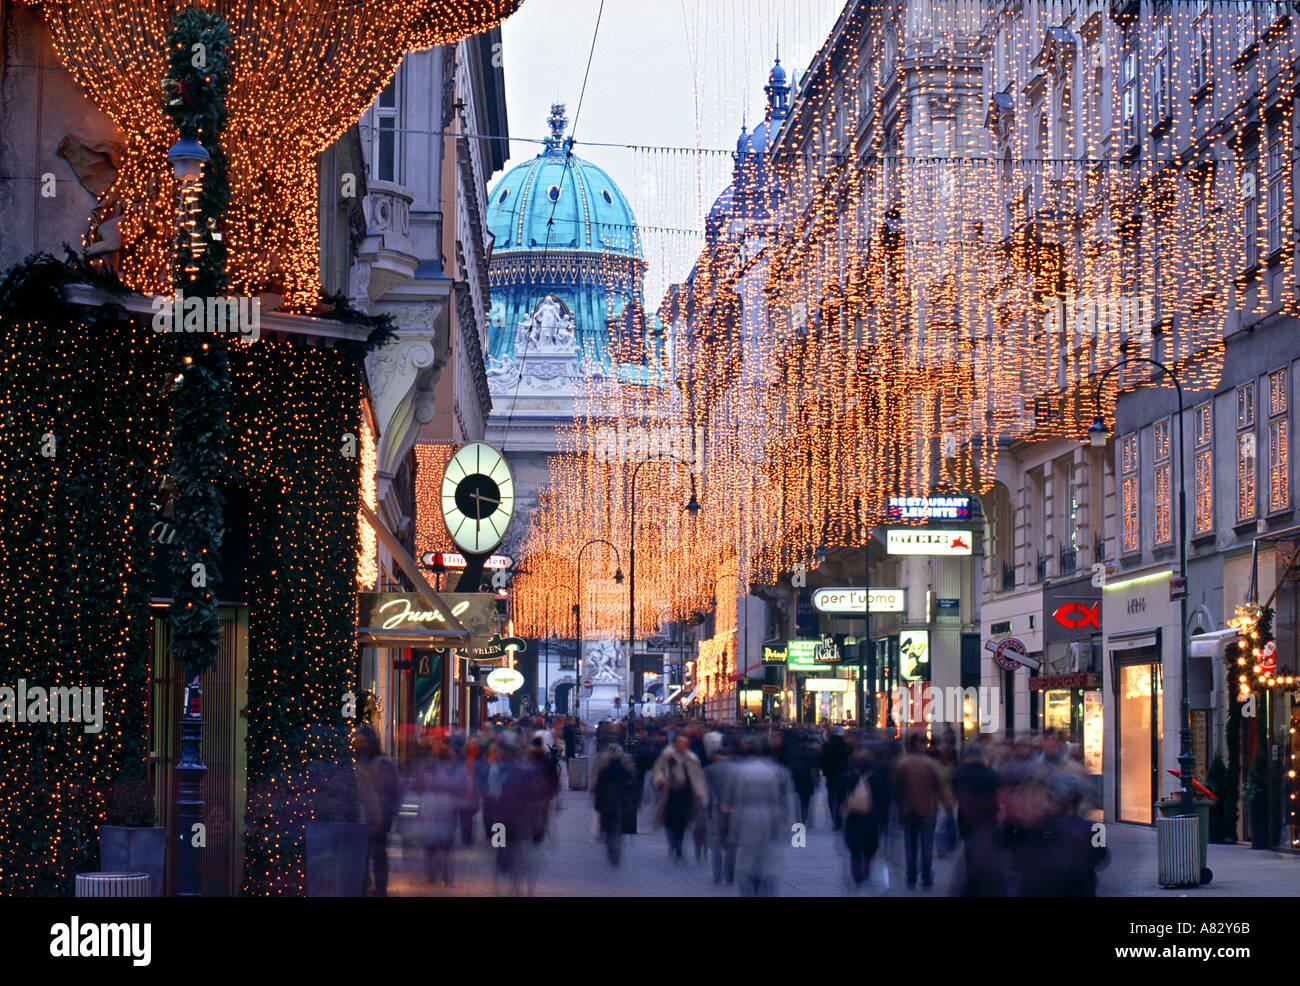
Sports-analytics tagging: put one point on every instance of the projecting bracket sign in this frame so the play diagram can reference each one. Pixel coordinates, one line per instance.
(1009, 654)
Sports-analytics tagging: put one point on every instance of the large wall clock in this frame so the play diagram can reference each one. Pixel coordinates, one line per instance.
(478, 497)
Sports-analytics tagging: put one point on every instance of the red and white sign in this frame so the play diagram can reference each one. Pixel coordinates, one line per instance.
(1008, 652)
(1076, 616)
(450, 559)
(925, 541)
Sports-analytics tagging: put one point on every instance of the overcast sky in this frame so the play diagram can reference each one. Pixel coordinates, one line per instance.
(652, 60)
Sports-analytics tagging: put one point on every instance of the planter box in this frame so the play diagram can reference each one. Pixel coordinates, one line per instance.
(128, 849)
(336, 858)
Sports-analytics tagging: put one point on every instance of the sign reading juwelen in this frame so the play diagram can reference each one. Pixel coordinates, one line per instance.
(921, 541)
(849, 600)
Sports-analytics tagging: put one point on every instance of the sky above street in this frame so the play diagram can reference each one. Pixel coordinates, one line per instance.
(668, 76)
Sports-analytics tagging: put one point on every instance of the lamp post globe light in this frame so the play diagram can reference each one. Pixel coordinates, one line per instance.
(187, 157)
(1097, 436)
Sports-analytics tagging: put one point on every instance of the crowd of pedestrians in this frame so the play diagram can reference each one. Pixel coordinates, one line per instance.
(1014, 816)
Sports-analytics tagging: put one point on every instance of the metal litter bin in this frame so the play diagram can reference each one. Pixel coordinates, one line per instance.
(579, 769)
(114, 885)
(1173, 808)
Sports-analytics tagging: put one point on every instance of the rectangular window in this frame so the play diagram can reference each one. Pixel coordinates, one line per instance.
(1163, 470)
(1129, 97)
(1245, 24)
(1162, 103)
(1279, 488)
(1129, 492)
(386, 132)
(1204, 468)
(1250, 208)
(1246, 457)
(1276, 191)
(1202, 48)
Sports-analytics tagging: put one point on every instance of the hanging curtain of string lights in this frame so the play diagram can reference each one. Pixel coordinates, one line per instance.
(302, 73)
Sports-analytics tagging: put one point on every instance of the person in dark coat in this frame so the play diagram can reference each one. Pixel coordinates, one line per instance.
(975, 784)
(570, 735)
(1041, 849)
(614, 798)
(802, 763)
(835, 765)
(861, 828)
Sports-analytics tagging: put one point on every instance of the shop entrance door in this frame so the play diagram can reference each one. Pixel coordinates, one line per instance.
(1137, 739)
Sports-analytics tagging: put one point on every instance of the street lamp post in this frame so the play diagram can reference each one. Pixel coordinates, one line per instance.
(692, 508)
(1097, 435)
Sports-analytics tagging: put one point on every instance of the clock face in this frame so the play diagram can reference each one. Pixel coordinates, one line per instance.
(478, 497)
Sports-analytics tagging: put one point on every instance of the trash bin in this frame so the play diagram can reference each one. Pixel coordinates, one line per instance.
(113, 885)
(578, 771)
(1173, 808)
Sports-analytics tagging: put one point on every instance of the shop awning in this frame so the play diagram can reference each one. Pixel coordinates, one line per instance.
(452, 633)
(1133, 639)
(684, 701)
(1209, 644)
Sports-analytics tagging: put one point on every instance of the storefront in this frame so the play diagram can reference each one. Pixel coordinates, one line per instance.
(1140, 645)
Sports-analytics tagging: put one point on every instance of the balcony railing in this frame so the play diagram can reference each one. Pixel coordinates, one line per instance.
(1099, 549)
(1069, 559)
(1040, 570)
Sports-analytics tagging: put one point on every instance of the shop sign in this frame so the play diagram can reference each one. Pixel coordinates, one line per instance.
(1055, 682)
(1076, 616)
(451, 559)
(921, 541)
(929, 507)
(914, 654)
(505, 680)
(1008, 653)
(1138, 604)
(403, 611)
(496, 648)
(774, 655)
(828, 684)
(850, 600)
(805, 652)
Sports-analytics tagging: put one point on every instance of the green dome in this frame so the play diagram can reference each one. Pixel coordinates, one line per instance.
(583, 207)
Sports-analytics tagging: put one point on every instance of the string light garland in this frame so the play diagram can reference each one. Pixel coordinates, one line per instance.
(301, 75)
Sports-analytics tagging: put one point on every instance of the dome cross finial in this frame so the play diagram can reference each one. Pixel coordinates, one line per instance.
(557, 122)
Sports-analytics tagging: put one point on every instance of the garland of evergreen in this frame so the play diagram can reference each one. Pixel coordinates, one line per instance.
(196, 89)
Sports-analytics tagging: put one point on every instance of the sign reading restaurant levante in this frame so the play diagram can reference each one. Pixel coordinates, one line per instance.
(850, 600)
(929, 507)
(922, 541)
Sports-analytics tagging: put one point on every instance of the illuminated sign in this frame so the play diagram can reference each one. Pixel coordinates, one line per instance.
(403, 611)
(774, 655)
(828, 684)
(920, 541)
(450, 559)
(929, 507)
(807, 655)
(1075, 616)
(914, 654)
(505, 680)
(850, 600)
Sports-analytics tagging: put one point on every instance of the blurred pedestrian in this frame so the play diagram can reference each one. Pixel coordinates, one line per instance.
(683, 794)
(861, 826)
(758, 803)
(920, 792)
(379, 790)
(614, 797)
(835, 765)
(722, 852)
